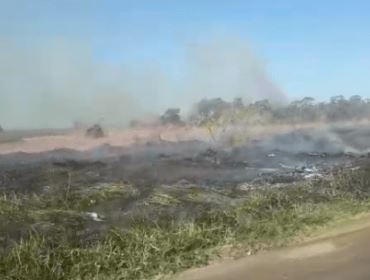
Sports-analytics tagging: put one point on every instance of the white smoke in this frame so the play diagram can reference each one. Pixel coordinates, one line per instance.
(58, 82)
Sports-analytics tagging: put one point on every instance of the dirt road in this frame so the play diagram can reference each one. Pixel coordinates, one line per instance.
(343, 257)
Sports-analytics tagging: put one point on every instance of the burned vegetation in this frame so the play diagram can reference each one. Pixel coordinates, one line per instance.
(109, 212)
(95, 132)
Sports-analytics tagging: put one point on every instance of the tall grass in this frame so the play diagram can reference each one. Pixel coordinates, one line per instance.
(149, 249)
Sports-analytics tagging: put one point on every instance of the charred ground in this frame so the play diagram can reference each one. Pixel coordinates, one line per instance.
(183, 199)
(151, 172)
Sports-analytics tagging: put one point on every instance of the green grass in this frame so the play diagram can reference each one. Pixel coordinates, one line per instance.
(153, 249)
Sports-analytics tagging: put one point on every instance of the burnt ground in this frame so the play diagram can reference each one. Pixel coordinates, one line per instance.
(165, 163)
(284, 157)
(180, 178)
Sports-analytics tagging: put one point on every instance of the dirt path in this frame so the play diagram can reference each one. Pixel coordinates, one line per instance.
(342, 257)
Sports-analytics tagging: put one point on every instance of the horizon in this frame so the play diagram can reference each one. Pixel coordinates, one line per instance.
(86, 60)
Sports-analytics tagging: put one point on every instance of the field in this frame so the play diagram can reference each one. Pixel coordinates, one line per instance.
(151, 210)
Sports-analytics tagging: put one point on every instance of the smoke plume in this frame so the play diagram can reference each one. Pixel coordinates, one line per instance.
(59, 82)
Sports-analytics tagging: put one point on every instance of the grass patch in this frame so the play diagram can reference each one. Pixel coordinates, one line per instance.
(148, 249)
(163, 199)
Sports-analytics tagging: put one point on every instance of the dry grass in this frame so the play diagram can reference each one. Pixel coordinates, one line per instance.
(267, 218)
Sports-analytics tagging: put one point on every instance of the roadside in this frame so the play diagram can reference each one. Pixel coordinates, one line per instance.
(338, 253)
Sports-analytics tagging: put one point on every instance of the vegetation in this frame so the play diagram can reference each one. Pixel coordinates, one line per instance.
(153, 249)
(299, 111)
(171, 116)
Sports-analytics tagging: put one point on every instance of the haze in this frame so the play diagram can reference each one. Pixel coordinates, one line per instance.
(112, 61)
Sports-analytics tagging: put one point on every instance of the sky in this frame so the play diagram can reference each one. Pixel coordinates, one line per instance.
(72, 56)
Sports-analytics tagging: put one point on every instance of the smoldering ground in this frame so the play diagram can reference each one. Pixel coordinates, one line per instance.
(208, 162)
(110, 185)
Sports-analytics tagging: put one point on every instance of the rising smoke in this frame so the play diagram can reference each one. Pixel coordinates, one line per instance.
(228, 68)
(59, 82)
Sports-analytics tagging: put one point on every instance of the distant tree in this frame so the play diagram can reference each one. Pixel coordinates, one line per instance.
(357, 107)
(238, 103)
(263, 105)
(211, 108)
(355, 99)
(304, 110)
(307, 101)
(337, 99)
(171, 116)
(95, 131)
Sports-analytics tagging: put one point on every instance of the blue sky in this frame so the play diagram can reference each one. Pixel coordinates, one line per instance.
(315, 48)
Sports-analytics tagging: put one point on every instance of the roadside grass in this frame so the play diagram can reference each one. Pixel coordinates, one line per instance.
(155, 249)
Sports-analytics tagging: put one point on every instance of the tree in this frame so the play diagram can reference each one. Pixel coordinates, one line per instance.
(95, 131)
(337, 99)
(238, 103)
(263, 105)
(211, 108)
(307, 101)
(171, 116)
(355, 99)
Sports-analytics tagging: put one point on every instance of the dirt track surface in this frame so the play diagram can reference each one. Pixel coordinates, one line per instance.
(343, 257)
